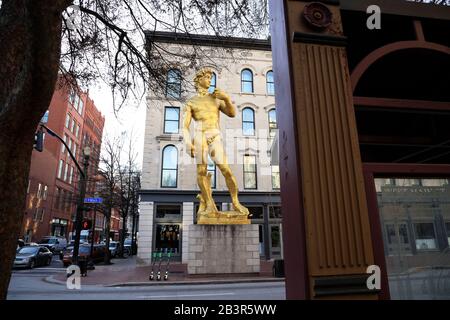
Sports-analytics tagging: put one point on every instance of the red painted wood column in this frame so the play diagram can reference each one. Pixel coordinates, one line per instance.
(327, 239)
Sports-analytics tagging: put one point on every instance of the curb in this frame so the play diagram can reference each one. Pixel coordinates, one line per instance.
(192, 282)
(50, 279)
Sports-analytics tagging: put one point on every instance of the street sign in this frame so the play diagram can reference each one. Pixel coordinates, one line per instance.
(93, 200)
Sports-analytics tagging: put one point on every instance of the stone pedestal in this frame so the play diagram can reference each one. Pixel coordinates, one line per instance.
(223, 249)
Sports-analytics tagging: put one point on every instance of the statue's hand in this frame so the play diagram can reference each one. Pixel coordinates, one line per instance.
(219, 94)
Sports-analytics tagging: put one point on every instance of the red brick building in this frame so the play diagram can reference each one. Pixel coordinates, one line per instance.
(53, 180)
(92, 138)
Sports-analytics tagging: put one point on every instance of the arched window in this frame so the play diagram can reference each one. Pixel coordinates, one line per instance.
(248, 122)
(173, 85)
(213, 85)
(247, 81)
(272, 123)
(269, 83)
(169, 167)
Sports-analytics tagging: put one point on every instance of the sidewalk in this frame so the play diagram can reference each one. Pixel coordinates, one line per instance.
(127, 272)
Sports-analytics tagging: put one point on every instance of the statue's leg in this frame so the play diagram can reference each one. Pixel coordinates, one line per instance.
(218, 156)
(203, 180)
(205, 188)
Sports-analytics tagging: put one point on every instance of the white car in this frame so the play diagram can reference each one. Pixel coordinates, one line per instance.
(54, 244)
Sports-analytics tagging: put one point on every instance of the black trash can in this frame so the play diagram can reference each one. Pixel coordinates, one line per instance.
(83, 265)
(278, 268)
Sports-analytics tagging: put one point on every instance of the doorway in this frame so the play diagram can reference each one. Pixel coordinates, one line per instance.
(168, 239)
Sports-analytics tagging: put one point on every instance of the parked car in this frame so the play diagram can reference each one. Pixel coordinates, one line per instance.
(114, 248)
(20, 244)
(84, 251)
(54, 244)
(127, 245)
(33, 256)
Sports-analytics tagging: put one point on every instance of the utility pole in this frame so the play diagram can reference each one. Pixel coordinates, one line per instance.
(93, 230)
(80, 205)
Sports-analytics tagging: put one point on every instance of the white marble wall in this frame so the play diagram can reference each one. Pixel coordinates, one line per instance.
(223, 249)
(188, 220)
(145, 238)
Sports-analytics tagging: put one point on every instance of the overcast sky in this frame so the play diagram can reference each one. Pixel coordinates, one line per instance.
(130, 119)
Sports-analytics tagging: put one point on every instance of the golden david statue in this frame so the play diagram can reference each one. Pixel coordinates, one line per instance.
(205, 109)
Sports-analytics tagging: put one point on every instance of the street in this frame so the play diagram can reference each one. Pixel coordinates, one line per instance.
(31, 285)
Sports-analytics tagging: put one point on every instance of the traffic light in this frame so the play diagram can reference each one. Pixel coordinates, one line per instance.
(39, 141)
(86, 224)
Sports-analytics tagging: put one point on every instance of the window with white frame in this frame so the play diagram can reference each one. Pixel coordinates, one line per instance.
(71, 175)
(67, 121)
(60, 168)
(247, 81)
(275, 177)
(248, 122)
(270, 86)
(272, 123)
(173, 84)
(39, 191)
(63, 146)
(80, 105)
(66, 171)
(70, 144)
(250, 180)
(425, 236)
(171, 119)
(169, 167)
(45, 192)
(39, 215)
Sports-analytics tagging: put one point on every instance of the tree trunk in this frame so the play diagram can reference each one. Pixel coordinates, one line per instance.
(30, 37)
(133, 231)
(108, 229)
(123, 234)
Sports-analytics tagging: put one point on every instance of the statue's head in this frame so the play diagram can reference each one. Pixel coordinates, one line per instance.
(200, 75)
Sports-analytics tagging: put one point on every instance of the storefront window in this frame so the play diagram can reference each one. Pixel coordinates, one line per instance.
(168, 211)
(256, 212)
(168, 238)
(275, 240)
(425, 236)
(415, 220)
(275, 212)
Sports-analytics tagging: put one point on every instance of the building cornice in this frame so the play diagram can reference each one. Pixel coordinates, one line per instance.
(207, 40)
(178, 196)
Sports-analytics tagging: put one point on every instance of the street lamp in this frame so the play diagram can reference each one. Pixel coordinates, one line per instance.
(80, 204)
(93, 226)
